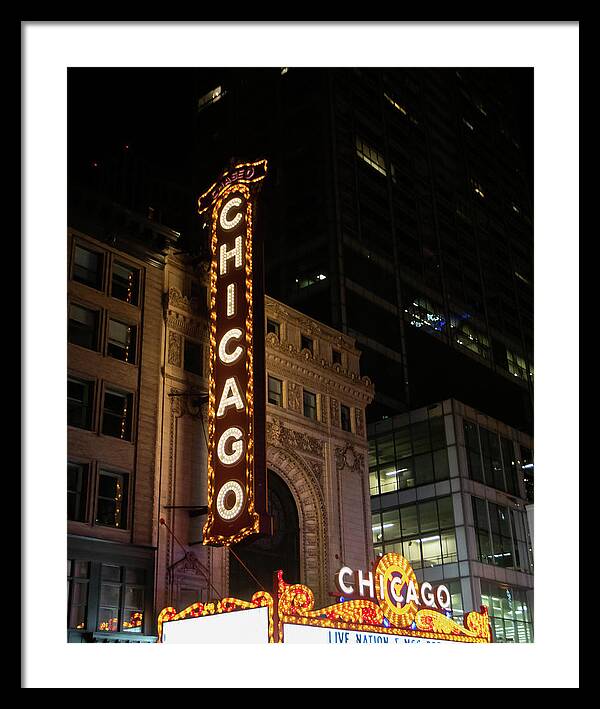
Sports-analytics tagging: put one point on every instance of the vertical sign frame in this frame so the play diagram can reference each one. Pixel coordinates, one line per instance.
(237, 479)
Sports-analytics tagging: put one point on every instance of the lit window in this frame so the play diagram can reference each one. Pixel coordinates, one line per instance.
(121, 341)
(125, 282)
(111, 501)
(478, 189)
(370, 156)
(210, 98)
(117, 414)
(517, 365)
(396, 105)
(469, 125)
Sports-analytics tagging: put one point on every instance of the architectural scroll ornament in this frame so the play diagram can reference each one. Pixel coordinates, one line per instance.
(347, 457)
(293, 397)
(360, 422)
(181, 302)
(174, 349)
(279, 435)
(335, 411)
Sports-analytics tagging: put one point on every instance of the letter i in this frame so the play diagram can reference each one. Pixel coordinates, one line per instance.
(230, 300)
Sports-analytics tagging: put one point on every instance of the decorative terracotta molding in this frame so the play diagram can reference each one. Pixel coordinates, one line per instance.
(279, 435)
(347, 457)
(174, 349)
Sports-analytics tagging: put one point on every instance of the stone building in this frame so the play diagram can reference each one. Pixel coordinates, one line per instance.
(137, 382)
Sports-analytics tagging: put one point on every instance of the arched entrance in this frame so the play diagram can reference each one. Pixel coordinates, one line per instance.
(265, 556)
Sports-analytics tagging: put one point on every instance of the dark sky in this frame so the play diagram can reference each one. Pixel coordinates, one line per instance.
(152, 111)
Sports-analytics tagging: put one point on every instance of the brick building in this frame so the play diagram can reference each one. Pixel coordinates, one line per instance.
(137, 368)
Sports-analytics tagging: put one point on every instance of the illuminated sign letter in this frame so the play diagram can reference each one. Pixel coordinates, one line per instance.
(427, 594)
(237, 447)
(344, 588)
(230, 357)
(225, 255)
(231, 397)
(443, 597)
(365, 583)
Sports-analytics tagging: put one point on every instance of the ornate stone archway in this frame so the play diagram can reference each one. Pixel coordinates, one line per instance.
(299, 460)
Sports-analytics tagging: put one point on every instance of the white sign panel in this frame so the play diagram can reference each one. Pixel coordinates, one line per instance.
(305, 634)
(246, 626)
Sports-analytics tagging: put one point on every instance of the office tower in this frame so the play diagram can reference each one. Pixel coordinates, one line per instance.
(398, 210)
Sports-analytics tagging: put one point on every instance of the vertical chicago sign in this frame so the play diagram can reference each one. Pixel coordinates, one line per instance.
(237, 494)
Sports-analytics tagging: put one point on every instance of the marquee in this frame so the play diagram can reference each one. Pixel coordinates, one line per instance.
(391, 618)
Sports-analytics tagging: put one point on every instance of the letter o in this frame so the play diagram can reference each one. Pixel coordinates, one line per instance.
(445, 604)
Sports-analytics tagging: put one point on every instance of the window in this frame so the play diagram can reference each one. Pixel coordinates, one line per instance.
(345, 417)
(309, 404)
(78, 574)
(510, 467)
(80, 396)
(423, 533)
(273, 327)
(412, 455)
(77, 486)
(121, 341)
(527, 468)
(509, 613)
(370, 156)
(336, 357)
(117, 414)
(121, 599)
(306, 343)
(516, 365)
(111, 502)
(210, 98)
(473, 452)
(87, 267)
(275, 393)
(125, 283)
(83, 326)
(192, 357)
(492, 462)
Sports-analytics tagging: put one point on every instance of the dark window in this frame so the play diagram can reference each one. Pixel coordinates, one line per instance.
(87, 267)
(80, 396)
(510, 467)
(192, 357)
(527, 468)
(345, 417)
(77, 485)
(336, 356)
(310, 404)
(111, 503)
(121, 599)
(121, 341)
(117, 414)
(306, 343)
(473, 452)
(78, 573)
(273, 327)
(125, 283)
(83, 326)
(275, 394)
